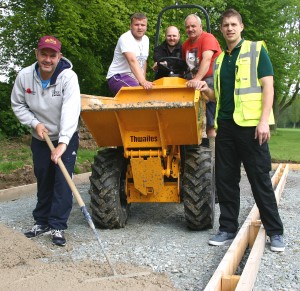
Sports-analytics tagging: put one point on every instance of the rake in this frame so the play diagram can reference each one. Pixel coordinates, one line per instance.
(87, 215)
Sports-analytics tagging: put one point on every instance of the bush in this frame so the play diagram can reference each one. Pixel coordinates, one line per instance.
(10, 125)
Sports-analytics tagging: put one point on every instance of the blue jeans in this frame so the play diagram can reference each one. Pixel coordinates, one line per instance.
(54, 196)
(210, 106)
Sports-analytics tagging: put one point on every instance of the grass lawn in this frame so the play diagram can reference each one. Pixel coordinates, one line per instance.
(285, 145)
(16, 153)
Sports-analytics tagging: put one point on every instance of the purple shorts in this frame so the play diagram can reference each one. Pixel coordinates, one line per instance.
(116, 82)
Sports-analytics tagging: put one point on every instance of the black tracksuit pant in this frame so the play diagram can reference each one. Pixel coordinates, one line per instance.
(54, 196)
(236, 145)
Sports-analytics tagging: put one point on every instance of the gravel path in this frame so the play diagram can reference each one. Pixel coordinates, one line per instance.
(281, 271)
(156, 236)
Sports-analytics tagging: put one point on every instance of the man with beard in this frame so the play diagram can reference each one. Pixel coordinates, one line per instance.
(171, 47)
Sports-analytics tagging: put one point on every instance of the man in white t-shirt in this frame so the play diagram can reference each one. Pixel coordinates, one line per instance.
(128, 67)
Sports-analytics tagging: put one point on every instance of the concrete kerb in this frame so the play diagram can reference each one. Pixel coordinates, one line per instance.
(15, 193)
(28, 190)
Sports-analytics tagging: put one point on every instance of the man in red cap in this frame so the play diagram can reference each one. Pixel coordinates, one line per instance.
(46, 97)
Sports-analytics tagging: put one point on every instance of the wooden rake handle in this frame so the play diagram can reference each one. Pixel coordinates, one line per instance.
(65, 173)
(80, 202)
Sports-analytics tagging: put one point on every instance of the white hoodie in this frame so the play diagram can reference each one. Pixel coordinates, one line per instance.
(57, 106)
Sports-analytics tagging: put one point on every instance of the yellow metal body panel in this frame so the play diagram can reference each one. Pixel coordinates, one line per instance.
(169, 114)
(150, 125)
(169, 193)
(147, 175)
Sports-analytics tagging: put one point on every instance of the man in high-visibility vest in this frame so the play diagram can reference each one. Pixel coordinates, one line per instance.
(244, 92)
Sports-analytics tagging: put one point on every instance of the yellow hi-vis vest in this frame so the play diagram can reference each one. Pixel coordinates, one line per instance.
(247, 89)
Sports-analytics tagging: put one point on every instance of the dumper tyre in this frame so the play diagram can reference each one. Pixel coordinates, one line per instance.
(198, 188)
(107, 189)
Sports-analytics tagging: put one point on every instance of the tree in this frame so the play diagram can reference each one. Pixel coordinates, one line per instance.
(287, 81)
(81, 26)
(294, 112)
(89, 31)
(277, 23)
(283, 121)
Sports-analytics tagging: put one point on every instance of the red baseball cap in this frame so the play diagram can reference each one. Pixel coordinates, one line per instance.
(51, 42)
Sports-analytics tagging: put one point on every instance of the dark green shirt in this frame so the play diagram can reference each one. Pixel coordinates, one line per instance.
(227, 78)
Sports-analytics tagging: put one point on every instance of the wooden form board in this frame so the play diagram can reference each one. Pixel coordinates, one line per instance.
(224, 279)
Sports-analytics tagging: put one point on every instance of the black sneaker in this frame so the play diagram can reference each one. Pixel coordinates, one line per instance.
(36, 230)
(58, 237)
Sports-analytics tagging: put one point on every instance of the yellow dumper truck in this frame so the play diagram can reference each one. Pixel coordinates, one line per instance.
(150, 151)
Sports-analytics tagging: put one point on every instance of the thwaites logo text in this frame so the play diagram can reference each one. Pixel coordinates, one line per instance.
(147, 138)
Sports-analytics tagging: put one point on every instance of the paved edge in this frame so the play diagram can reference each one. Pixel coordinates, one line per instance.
(28, 190)
(15, 193)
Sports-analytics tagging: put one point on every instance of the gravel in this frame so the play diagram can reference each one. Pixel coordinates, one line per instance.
(281, 271)
(156, 236)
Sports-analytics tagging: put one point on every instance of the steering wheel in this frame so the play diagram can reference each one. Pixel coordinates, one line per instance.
(173, 65)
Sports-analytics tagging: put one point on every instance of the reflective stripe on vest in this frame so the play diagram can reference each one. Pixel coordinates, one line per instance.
(248, 91)
(253, 56)
(216, 71)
